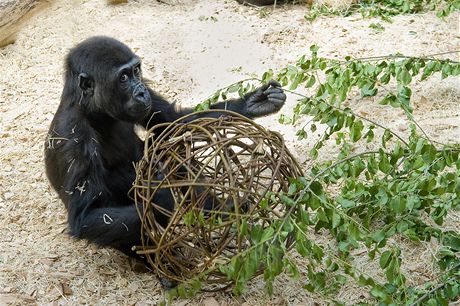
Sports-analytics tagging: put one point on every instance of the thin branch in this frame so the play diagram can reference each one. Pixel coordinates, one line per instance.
(356, 115)
(428, 57)
(438, 287)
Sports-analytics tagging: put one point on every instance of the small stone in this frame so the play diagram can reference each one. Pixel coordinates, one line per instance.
(8, 195)
(66, 290)
(133, 286)
(210, 301)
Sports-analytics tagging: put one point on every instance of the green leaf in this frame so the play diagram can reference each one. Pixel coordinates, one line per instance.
(384, 164)
(377, 27)
(368, 90)
(385, 259)
(267, 76)
(267, 234)
(405, 77)
(379, 236)
(429, 153)
(181, 291)
(366, 281)
(293, 271)
(385, 78)
(292, 71)
(402, 226)
(345, 203)
(292, 189)
(390, 99)
(432, 302)
(355, 130)
(446, 70)
(343, 92)
(314, 153)
(335, 219)
(318, 252)
(398, 204)
(382, 196)
(244, 227)
(404, 94)
(234, 88)
(256, 234)
(387, 135)
(296, 81)
(311, 81)
(452, 241)
(301, 134)
(369, 135)
(287, 200)
(322, 64)
(378, 293)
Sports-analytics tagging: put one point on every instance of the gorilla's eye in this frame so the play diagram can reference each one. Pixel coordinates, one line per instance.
(124, 77)
(137, 71)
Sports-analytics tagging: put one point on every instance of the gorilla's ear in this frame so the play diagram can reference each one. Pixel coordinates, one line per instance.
(86, 83)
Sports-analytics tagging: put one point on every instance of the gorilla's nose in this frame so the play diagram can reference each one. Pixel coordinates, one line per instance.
(141, 94)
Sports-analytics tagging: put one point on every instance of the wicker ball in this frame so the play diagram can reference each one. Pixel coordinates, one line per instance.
(224, 175)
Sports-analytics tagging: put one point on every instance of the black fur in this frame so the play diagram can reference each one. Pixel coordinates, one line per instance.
(91, 145)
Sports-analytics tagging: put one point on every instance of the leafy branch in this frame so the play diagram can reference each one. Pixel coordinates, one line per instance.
(362, 199)
(386, 9)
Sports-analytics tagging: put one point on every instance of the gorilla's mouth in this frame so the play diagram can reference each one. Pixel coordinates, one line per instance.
(138, 108)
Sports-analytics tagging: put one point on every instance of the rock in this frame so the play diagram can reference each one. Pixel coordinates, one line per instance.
(8, 195)
(210, 301)
(13, 14)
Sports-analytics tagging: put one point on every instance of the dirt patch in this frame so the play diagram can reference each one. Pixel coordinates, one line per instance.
(188, 55)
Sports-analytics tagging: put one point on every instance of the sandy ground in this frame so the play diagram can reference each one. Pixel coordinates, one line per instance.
(188, 55)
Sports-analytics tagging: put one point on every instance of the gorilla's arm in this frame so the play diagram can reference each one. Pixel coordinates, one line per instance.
(97, 213)
(115, 226)
(265, 100)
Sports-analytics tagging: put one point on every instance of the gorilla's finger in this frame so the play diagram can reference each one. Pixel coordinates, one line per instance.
(279, 96)
(257, 95)
(273, 90)
(266, 109)
(274, 83)
(277, 102)
(263, 87)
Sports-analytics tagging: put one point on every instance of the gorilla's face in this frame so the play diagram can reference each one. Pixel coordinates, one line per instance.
(111, 79)
(131, 92)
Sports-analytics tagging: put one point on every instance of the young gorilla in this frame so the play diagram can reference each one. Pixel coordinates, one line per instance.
(91, 145)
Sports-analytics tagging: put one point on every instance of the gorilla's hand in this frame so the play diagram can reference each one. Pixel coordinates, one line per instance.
(265, 100)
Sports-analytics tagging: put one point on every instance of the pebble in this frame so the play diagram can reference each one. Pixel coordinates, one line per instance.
(8, 195)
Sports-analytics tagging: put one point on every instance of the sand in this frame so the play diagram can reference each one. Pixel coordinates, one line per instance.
(189, 49)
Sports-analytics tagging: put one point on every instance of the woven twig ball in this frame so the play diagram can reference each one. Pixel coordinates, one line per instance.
(224, 176)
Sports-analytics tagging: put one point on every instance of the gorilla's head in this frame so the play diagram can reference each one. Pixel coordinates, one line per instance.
(108, 76)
